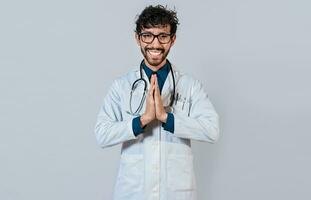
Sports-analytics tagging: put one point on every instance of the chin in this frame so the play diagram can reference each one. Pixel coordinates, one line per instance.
(155, 63)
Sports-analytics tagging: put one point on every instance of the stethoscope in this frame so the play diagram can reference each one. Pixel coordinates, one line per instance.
(141, 79)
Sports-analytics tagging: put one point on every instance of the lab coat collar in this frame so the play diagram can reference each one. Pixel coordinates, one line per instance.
(168, 87)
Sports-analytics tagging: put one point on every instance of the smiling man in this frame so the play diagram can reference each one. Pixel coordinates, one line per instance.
(154, 112)
(155, 51)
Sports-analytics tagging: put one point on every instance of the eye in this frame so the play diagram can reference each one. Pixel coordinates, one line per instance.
(164, 36)
(146, 35)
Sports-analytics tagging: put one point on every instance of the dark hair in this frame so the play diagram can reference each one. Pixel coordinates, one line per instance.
(157, 16)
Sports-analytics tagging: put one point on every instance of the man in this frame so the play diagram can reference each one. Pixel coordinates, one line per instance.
(155, 128)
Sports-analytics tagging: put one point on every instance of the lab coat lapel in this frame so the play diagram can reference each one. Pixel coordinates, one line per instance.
(168, 88)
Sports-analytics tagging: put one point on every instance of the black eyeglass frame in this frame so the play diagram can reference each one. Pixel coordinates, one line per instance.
(156, 36)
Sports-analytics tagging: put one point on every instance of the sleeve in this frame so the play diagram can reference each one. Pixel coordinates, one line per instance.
(137, 129)
(202, 123)
(169, 125)
(110, 128)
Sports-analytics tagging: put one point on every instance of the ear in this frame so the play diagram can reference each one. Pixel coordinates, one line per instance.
(173, 40)
(137, 39)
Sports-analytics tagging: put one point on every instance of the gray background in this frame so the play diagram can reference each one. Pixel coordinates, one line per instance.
(58, 59)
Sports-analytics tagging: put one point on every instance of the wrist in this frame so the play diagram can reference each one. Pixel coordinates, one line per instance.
(144, 120)
(164, 117)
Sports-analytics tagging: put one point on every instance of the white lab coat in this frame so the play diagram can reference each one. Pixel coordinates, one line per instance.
(156, 165)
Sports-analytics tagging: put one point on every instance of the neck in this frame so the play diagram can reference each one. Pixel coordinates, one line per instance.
(155, 68)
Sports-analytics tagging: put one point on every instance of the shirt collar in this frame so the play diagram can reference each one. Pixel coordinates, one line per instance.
(161, 73)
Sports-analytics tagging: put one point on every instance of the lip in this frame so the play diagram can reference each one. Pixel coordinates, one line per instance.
(154, 52)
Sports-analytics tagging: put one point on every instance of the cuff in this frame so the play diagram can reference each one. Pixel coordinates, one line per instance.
(137, 129)
(169, 125)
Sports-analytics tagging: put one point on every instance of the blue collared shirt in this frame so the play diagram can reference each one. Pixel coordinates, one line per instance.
(162, 74)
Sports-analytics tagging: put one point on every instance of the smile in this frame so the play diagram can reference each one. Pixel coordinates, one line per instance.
(154, 52)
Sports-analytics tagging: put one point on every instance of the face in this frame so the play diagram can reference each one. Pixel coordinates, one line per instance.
(155, 53)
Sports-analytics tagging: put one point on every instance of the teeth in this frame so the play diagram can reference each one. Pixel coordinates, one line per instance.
(154, 52)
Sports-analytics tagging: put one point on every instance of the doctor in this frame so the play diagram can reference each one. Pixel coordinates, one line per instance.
(154, 111)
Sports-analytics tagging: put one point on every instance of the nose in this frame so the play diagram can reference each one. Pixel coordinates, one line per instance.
(156, 42)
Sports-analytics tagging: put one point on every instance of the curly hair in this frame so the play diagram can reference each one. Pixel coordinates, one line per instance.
(157, 16)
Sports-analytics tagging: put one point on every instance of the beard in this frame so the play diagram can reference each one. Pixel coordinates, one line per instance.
(154, 61)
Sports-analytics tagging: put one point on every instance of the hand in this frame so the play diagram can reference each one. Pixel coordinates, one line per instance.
(160, 112)
(149, 114)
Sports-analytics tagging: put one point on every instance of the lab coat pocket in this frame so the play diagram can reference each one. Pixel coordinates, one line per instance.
(130, 177)
(180, 175)
(182, 106)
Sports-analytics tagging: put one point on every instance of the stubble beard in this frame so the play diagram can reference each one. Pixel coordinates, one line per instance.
(152, 62)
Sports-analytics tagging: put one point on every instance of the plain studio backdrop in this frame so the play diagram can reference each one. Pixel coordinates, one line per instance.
(58, 59)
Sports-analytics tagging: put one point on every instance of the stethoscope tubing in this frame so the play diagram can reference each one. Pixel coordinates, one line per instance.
(145, 89)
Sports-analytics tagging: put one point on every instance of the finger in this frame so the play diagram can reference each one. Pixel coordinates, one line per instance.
(157, 86)
(157, 95)
(153, 95)
(155, 80)
(153, 77)
(151, 90)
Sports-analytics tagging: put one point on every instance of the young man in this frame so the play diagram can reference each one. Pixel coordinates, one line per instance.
(155, 127)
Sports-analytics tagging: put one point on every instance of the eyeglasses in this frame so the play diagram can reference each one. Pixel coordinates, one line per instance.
(148, 37)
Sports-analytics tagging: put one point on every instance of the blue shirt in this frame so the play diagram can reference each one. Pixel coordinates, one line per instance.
(162, 74)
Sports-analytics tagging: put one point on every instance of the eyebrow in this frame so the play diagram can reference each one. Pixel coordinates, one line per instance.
(156, 34)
